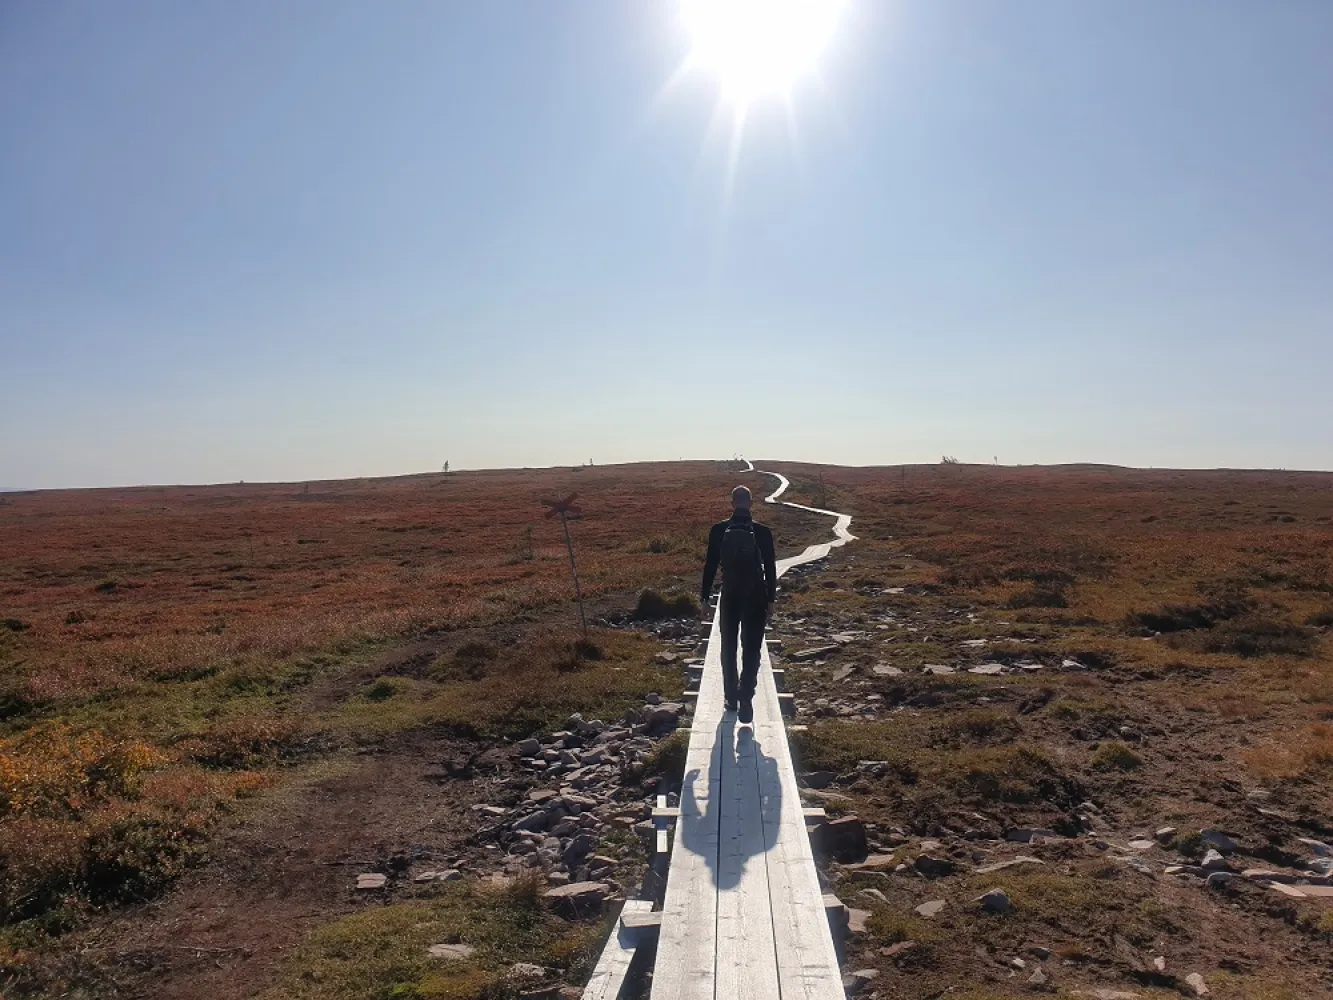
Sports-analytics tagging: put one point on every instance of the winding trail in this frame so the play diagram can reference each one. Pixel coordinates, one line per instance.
(743, 917)
(841, 524)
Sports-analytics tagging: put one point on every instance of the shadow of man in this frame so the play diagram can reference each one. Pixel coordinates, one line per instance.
(741, 809)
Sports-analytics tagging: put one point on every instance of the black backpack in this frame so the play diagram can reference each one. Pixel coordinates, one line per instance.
(742, 565)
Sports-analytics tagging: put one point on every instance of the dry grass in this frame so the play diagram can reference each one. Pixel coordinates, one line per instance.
(162, 648)
(384, 952)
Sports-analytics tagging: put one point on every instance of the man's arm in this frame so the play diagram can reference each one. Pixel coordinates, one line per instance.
(710, 564)
(770, 563)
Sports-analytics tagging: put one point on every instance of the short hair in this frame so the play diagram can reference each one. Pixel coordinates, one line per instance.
(740, 498)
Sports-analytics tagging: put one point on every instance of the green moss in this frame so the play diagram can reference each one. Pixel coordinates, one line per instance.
(383, 953)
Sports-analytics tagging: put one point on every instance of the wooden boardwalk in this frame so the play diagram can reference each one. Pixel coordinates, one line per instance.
(743, 915)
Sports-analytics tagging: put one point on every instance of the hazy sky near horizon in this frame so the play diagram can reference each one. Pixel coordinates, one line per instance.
(318, 238)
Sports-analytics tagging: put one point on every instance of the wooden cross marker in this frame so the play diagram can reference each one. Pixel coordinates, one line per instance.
(564, 508)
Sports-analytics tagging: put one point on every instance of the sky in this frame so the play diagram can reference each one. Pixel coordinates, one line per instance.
(322, 238)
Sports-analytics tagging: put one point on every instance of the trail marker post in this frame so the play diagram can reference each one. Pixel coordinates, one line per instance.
(564, 508)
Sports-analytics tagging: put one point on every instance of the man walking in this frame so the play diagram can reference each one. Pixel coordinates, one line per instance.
(744, 550)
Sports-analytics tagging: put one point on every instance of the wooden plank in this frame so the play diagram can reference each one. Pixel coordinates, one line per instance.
(806, 957)
(686, 947)
(613, 967)
(640, 919)
(746, 963)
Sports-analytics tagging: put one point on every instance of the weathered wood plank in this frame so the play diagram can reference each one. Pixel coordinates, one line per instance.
(686, 947)
(806, 957)
(746, 963)
(613, 967)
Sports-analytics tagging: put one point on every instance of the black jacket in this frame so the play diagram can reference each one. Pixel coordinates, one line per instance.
(762, 535)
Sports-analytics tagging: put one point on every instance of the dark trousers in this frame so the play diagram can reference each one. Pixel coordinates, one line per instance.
(748, 619)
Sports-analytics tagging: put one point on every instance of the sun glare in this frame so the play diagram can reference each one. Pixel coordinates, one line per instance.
(758, 48)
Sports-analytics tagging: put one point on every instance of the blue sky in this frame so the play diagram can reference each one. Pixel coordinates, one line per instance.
(314, 239)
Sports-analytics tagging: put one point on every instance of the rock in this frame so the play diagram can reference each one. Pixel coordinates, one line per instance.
(937, 668)
(1318, 846)
(1214, 862)
(1018, 963)
(814, 653)
(995, 901)
(1165, 834)
(987, 669)
(857, 920)
(578, 898)
(653, 699)
(885, 670)
(1071, 664)
(1138, 864)
(453, 952)
(874, 894)
(931, 908)
(872, 863)
(1200, 987)
(855, 982)
(1159, 963)
(1269, 875)
(1219, 880)
(1042, 953)
(1022, 859)
(579, 848)
(1038, 977)
(1022, 835)
(371, 880)
(448, 875)
(842, 673)
(933, 867)
(1143, 845)
(664, 717)
(818, 779)
(1290, 891)
(529, 748)
(532, 821)
(843, 839)
(525, 970)
(1218, 840)
(894, 950)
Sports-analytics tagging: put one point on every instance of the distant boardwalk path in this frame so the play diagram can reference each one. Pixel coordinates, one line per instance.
(743, 915)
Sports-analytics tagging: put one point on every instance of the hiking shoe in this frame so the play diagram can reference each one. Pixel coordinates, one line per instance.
(746, 714)
(729, 705)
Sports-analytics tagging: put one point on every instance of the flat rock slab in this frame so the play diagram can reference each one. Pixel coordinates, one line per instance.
(974, 642)
(931, 908)
(884, 670)
(988, 669)
(1286, 890)
(936, 668)
(872, 863)
(813, 653)
(579, 897)
(371, 880)
(452, 952)
(1000, 866)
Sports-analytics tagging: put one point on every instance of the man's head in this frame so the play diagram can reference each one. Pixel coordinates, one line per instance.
(740, 498)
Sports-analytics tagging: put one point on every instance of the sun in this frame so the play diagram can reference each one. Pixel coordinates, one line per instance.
(758, 48)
